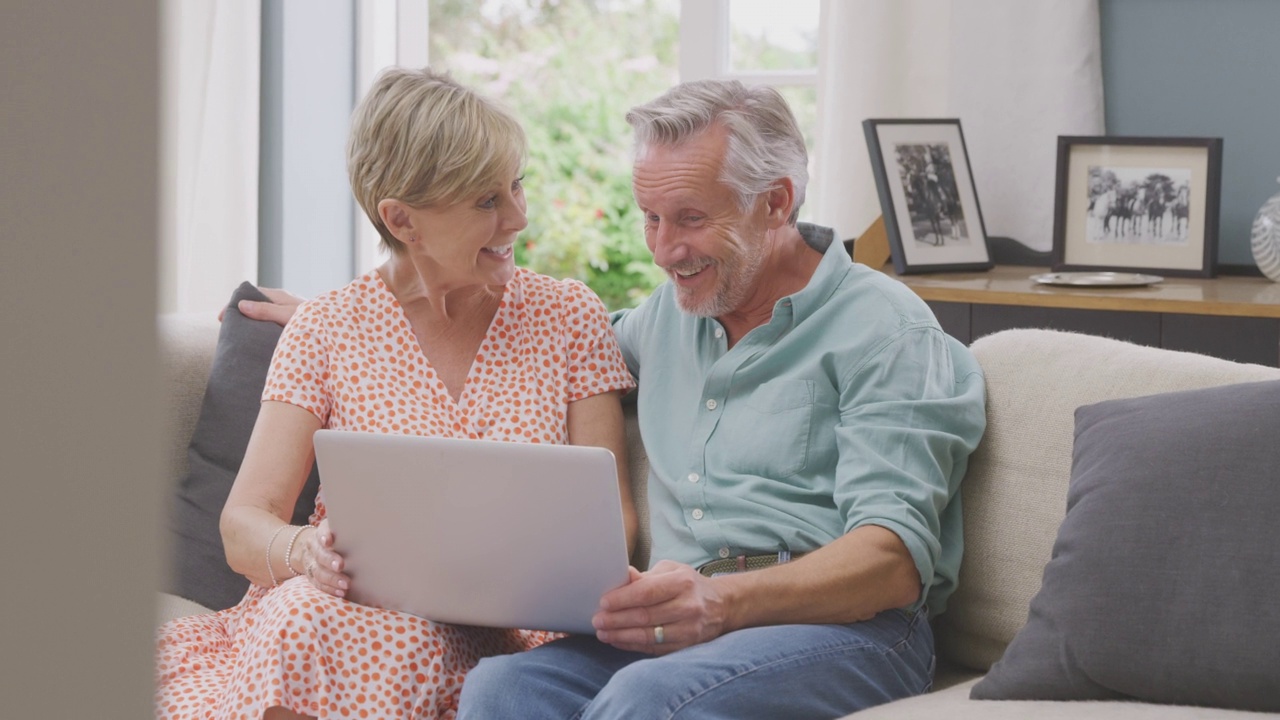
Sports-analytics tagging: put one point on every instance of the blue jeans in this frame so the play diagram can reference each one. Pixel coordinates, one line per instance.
(791, 671)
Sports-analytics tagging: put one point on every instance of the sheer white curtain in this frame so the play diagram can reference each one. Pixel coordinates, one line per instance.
(1016, 73)
(209, 151)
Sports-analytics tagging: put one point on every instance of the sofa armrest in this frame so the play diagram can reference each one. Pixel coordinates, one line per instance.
(187, 344)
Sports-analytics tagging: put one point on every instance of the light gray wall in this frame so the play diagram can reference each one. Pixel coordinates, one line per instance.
(305, 217)
(1202, 68)
(80, 430)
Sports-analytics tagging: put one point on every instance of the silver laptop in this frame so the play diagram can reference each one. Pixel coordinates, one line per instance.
(475, 532)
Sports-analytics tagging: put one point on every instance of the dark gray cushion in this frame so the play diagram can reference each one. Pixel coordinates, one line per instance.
(1164, 584)
(227, 414)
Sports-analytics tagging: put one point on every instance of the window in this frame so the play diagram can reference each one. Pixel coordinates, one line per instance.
(570, 69)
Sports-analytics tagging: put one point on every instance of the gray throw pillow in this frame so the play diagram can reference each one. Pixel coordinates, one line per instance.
(227, 414)
(1165, 575)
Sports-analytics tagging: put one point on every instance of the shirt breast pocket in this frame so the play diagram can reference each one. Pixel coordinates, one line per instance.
(766, 433)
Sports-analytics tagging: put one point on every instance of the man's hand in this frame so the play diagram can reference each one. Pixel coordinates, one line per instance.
(282, 307)
(866, 571)
(685, 604)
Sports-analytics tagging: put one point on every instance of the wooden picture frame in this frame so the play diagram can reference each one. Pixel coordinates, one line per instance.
(1137, 204)
(927, 194)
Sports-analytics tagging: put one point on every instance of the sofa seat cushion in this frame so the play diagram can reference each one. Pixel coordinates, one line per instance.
(953, 703)
(1015, 492)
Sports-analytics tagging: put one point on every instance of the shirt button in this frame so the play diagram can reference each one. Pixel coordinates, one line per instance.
(693, 477)
(719, 332)
(711, 404)
(724, 552)
(697, 513)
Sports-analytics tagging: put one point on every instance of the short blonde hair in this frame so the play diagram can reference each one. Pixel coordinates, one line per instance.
(422, 138)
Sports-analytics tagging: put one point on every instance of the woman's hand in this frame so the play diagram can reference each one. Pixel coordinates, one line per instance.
(320, 563)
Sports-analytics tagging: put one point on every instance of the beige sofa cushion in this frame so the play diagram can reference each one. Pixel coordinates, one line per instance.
(638, 474)
(187, 342)
(1015, 491)
(954, 704)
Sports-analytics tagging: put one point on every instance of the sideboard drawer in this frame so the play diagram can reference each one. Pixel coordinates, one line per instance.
(1242, 339)
(1136, 327)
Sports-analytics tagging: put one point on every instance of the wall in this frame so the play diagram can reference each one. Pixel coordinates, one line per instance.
(80, 430)
(1201, 68)
(305, 212)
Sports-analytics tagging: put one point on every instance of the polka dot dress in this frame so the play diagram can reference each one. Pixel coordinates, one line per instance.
(351, 358)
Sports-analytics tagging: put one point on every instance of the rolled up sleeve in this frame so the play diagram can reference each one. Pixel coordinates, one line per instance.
(911, 413)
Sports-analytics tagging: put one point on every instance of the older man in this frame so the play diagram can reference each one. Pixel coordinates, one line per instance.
(807, 423)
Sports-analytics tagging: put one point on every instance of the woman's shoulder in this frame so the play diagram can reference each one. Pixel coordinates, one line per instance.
(360, 292)
(349, 303)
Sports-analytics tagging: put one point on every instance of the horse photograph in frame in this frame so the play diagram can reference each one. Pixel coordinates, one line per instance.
(927, 195)
(1141, 204)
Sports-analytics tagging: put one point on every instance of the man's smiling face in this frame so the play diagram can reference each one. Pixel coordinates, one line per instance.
(711, 249)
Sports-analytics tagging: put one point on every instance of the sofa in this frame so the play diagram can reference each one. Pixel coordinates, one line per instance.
(1016, 494)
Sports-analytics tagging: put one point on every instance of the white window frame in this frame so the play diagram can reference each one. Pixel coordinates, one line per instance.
(387, 33)
(704, 49)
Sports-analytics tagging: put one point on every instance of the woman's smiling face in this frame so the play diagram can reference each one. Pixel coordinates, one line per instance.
(472, 242)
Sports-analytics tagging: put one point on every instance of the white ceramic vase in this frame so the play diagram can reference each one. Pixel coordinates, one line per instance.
(1265, 238)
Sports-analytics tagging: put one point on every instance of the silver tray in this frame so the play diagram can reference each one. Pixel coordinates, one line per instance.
(1096, 279)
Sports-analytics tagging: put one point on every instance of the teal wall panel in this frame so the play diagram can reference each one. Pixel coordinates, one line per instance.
(1202, 68)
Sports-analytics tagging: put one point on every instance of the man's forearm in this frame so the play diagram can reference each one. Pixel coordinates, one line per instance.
(867, 571)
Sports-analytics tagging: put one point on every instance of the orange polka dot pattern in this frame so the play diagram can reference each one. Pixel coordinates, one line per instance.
(350, 358)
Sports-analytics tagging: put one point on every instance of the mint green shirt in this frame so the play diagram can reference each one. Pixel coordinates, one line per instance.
(850, 407)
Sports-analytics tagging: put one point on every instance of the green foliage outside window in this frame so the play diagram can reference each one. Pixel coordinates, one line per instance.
(570, 70)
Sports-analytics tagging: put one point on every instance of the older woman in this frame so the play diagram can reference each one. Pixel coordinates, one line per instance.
(447, 338)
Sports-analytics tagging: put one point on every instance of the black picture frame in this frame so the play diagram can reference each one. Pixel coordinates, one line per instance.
(927, 194)
(1137, 204)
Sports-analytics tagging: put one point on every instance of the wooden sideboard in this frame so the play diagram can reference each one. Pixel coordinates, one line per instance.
(1237, 318)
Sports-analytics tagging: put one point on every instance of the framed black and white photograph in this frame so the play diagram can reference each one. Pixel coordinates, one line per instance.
(1146, 204)
(927, 195)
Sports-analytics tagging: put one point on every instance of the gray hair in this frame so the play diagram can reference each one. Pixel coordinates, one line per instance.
(765, 143)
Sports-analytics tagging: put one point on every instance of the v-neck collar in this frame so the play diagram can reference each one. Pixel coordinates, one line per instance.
(495, 350)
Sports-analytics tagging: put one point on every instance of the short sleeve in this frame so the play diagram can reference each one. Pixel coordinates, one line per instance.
(299, 373)
(595, 363)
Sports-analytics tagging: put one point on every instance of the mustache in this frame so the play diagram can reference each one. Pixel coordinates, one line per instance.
(689, 267)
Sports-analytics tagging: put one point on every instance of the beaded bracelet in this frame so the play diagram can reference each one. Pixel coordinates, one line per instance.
(270, 570)
(288, 551)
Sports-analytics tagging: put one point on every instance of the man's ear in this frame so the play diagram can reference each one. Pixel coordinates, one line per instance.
(779, 201)
(396, 216)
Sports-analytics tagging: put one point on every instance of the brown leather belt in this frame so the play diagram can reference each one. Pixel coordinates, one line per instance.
(743, 563)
